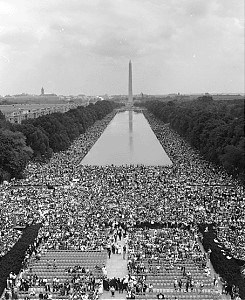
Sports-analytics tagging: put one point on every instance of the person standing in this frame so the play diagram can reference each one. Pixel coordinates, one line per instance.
(175, 284)
(124, 251)
(120, 234)
(120, 286)
(112, 289)
(109, 252)
(180, 284)
(113, 248)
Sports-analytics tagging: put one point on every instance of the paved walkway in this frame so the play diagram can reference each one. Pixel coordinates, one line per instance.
(116, 267)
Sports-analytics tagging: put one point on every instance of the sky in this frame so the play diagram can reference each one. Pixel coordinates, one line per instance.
(75, 47)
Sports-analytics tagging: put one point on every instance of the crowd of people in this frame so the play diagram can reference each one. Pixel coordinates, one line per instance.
(27, 200)
(161, 251)
(79, 285)
(76, 204)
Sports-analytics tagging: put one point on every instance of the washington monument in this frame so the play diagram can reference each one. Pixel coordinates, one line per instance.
(130, 89)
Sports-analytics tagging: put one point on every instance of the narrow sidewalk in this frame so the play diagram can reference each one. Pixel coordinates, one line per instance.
(116, 267)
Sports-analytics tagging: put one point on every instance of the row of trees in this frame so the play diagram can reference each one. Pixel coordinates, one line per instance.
(215, 128)
(39, 138)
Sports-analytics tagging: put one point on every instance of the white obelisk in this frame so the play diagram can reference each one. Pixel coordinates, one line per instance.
(130, 89)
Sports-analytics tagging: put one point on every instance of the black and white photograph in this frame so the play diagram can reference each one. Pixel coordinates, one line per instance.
(122, 150)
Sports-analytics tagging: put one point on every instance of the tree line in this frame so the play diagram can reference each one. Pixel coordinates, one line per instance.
(215, 128)
(39, 138)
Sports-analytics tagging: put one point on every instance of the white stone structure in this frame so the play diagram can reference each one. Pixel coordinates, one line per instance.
(130, 86)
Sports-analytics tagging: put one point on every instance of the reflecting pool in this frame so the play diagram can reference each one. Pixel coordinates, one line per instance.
(128, 139)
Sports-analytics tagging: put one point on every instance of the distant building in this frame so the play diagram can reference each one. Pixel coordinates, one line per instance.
(46, 95)
(23, 114)
(172, 95)
(21, 95)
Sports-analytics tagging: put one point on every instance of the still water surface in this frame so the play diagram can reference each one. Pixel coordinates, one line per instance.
(128, 139)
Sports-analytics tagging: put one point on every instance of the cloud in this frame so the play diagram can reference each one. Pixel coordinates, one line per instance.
(18, 39)
(82, 39)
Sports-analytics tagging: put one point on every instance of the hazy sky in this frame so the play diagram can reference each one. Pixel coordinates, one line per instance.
(83, 46)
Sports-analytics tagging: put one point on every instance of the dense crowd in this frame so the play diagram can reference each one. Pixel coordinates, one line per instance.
(214, 196)
(170, 244)
(8, 236)
(28, 200)
(78, 204)
(80, 284)
(164, 250)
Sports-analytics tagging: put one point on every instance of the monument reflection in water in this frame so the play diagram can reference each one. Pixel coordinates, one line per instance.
(128, 139)
(130, 123)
